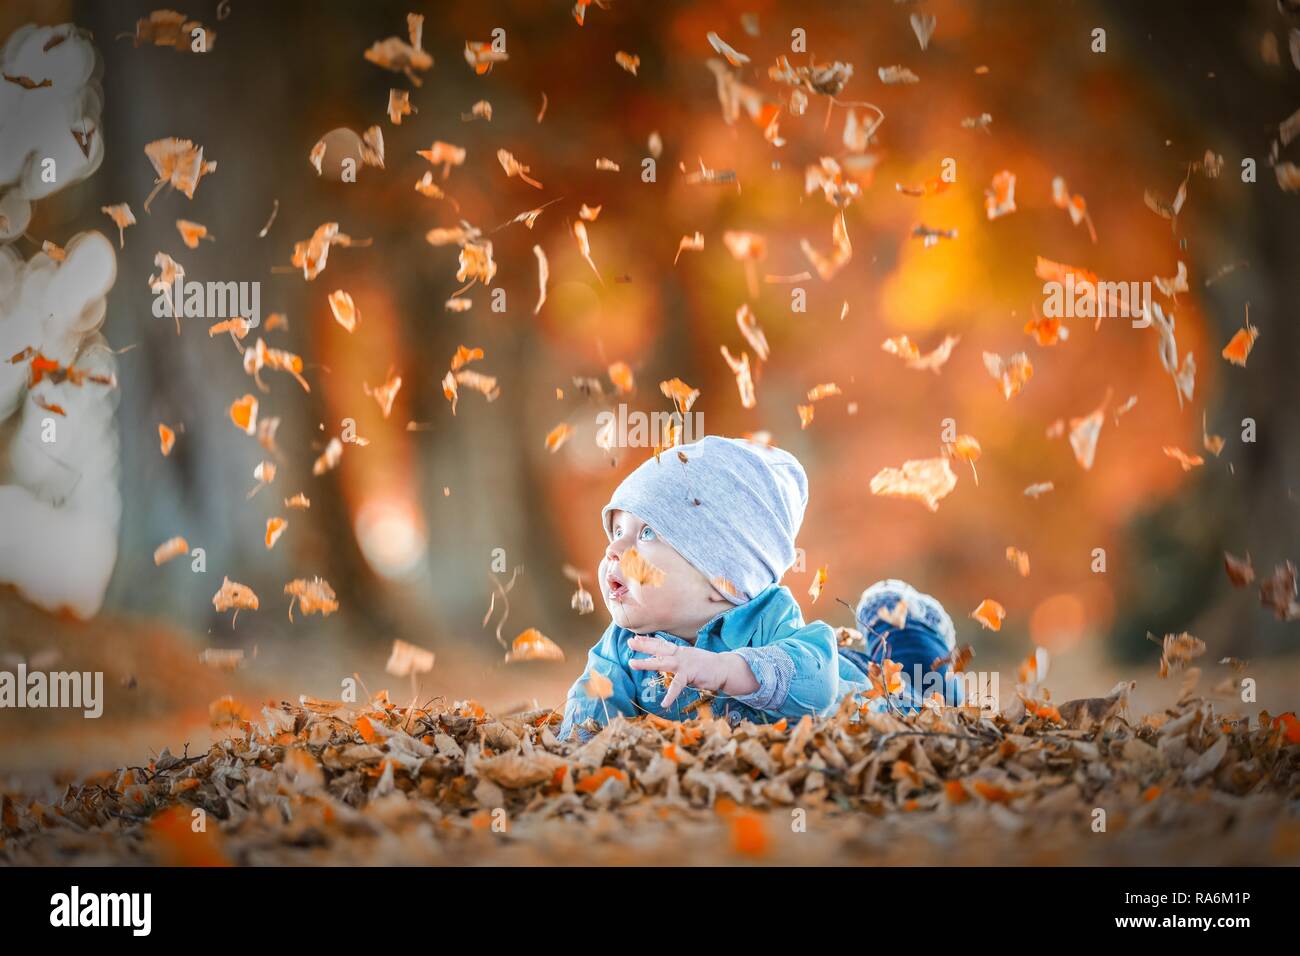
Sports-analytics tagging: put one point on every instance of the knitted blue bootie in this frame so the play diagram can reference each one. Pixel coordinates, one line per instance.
(927, 635)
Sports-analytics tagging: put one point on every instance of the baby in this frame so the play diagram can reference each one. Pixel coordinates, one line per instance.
(718, 518)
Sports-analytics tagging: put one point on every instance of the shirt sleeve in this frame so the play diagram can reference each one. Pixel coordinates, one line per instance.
(604, 659)
(773, 668)
(796, 675)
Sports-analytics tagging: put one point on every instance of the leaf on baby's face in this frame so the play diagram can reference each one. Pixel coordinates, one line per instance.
(638, 569)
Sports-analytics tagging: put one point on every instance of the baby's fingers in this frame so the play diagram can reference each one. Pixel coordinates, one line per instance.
(649, 645)
(674, 691)
(650, 663)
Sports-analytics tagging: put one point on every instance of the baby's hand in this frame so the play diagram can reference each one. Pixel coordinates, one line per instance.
(690, 666)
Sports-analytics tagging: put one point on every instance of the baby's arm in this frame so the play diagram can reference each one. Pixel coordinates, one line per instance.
(603, 659)
(796, 675)
(790, 677)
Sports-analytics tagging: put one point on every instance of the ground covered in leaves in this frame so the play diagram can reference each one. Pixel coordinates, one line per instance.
(324, 782)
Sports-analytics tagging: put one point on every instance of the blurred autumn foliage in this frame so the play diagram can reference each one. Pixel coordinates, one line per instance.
(406, 528)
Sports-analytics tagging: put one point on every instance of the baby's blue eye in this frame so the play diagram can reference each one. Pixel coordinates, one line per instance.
(647, 530)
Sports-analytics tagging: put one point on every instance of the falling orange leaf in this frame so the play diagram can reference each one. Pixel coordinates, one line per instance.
(243, 412)
(734, 56)
(990, 613)
(179, 164)
(1019, 560)
(818, 582)
(399, 105)
(926, 480)
(481, 56)
(905, 349)
(747, 322)
(533, 645)
(1187, 461)
(885, 681)
(234, 595)
(274, 528)
(1084, 433)
(967, 448)
(1238, 349)
(1046, 331)
(171, 548)
(329, 458)
(584, 246)
(513, 167)
(1075, 205)
(344, 309)
(1240, 572)
(543, 274)
(620, 373)
(1213, 443)
(557, 436)
(384, 394)
(1012, 373)
(405, 660)
(825, 390)
(394, 53)
(313, 597)
(122, 217)
(192, 232)
(744, 380)
(692, 243)
(1001, 198)
(682, 395)
(599, 686)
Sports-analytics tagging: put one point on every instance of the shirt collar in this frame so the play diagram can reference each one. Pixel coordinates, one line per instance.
(736, 624)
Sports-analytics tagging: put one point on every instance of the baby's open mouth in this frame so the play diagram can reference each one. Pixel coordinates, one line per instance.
(615, 588)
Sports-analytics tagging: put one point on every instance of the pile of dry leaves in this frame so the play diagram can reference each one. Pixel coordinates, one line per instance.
(326, 782)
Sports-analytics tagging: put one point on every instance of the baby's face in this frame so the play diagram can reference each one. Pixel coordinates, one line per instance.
(681, 605)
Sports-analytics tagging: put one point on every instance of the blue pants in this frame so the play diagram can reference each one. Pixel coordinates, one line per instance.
(916, 646)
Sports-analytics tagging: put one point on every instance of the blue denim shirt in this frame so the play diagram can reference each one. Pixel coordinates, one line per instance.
(798, 668)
